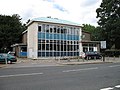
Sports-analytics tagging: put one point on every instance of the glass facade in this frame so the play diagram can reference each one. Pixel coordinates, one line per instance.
(54, 40)
(89, 47)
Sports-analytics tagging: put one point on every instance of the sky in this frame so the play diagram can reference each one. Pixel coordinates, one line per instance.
(78, 11)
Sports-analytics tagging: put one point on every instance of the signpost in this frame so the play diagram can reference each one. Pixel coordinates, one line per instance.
(5, 55)
(103, 46)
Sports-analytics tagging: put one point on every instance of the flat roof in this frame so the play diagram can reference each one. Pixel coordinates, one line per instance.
(87, 41)
(54, 20)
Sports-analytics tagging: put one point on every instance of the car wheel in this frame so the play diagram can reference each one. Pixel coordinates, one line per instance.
(9, 62)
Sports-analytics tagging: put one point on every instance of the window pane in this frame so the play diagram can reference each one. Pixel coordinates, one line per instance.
(39, 46)
(23, 49)
(43, 28)
(47, 46)
(39, 28)
(39, 54)
(51, 30)
(55, 30)
(43, 54)
(47, 54)
(47, 28)
(54, 47)
(51, 54)
(43, 46)
(51, 47)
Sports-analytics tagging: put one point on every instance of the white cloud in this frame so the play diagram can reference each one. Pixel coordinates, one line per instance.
(87, 3)
(79, 11)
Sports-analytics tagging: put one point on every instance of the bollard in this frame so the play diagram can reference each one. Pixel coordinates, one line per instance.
(87, 58)
(78, 59)
(68, 59)
(95, 58)
(83, 59)
(59, 59)
(114, 58)
(103, 58)
(6, 60)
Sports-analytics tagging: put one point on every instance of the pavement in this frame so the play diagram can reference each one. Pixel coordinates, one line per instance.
(24, 62)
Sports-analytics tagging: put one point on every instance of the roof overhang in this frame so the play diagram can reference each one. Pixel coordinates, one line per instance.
(18, 44)
(87, 41)
(53, 21)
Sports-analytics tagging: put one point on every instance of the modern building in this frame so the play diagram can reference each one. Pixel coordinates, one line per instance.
(50, 38)
(53, 38)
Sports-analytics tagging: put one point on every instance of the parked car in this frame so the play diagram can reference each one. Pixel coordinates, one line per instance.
(10, 58)
(11, 53)
(92, 55)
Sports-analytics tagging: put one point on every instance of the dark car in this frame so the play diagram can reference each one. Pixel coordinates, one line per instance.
(7, 57)
(92, 55)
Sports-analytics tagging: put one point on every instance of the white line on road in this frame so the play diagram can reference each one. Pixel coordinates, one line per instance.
(118, 86)
(114, 66)
(109, 88)
(16, 75)
(74, 70)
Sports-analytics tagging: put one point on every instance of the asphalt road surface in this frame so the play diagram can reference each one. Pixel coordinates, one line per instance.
(71, 77)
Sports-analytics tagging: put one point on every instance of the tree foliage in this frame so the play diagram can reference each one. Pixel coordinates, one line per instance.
(95, 31)
(11, 29)
(109, 21)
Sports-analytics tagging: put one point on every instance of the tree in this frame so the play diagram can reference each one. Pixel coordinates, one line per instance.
(11, 29)
(98, 34)
(95, 31)
(109, 21)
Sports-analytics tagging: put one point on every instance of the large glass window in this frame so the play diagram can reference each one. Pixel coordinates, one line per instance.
(58, 40)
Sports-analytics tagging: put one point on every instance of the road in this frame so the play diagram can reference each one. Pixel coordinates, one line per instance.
(72, 77)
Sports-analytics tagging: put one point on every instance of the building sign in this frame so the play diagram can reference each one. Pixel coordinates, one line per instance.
(103, 44)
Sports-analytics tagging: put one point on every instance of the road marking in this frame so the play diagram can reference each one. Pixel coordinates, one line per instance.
(118, 86)
(16, 75)
(74, 70)
(109, 88)
(114, 66)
